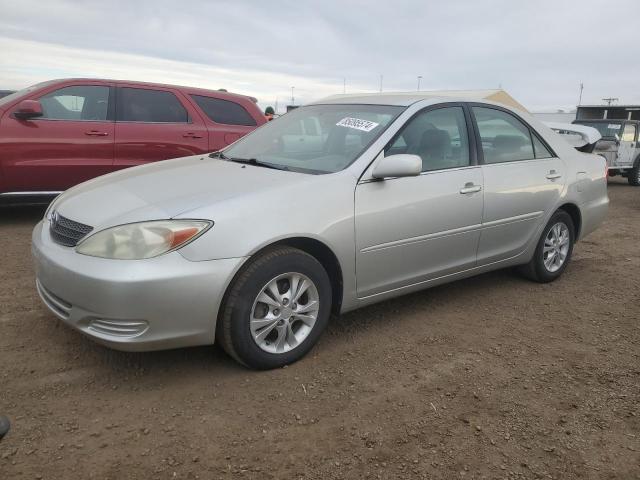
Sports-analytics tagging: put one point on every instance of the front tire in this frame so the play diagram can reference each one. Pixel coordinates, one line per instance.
(553, 251)
(276, 309)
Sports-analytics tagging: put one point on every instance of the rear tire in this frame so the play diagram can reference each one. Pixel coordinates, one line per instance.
(265, 322)
(554, 249)
(634, 174)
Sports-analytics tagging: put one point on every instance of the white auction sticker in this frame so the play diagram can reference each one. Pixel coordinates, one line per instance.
(613, 126)
(357, 123)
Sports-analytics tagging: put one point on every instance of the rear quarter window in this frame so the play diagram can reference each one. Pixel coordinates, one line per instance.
(224, 111)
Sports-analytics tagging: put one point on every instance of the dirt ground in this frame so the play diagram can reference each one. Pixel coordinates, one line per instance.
(490, 377)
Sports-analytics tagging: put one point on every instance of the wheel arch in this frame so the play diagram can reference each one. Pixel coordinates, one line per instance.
(321, 252)
(317, 249)
(576, 216)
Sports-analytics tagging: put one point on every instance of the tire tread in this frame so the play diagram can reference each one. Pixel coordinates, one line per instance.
(223, 327)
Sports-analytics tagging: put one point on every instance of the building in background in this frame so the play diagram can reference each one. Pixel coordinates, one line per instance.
(617, 112)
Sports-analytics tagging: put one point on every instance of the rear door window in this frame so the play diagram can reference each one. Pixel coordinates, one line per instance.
(151, 106)
(77, 103)
(540, 150)
(224, 111)
(504, 137)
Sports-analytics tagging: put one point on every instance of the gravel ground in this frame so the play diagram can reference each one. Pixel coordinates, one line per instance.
(490, 377)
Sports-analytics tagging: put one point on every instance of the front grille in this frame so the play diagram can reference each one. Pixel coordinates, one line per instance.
(67, 232)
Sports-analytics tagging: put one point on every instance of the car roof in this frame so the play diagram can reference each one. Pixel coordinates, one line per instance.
(499, 97)
(190, 90)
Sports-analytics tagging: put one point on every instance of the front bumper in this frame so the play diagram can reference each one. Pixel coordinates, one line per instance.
(136, 305)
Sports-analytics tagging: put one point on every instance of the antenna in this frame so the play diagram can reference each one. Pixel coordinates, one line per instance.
(581, 89)
(610, 100)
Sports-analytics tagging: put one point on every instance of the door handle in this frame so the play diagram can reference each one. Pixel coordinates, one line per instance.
(552, 175)
(191, 135)
(96, 133)
(470, 188)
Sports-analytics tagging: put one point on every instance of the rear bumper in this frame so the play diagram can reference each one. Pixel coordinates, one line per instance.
(154, 304)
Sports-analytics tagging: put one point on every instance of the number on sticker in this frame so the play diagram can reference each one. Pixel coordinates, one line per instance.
(357, 123)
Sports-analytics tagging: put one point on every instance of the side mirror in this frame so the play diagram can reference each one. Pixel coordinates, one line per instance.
(27, 109)
(401, 165)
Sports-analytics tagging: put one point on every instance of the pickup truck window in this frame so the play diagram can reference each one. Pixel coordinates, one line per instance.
(629, 134)
(224, 111)
(151, 106)
(607, 128)
(76, 103)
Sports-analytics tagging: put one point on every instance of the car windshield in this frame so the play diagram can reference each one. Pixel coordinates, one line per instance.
(606, 128)
(315, 139)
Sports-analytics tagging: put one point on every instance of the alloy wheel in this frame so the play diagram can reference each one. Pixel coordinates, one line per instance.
(284, 312)
(556, 247)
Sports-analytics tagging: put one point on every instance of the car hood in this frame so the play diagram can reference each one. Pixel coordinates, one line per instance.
(166, 189)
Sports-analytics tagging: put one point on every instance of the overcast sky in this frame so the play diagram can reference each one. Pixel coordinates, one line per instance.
(538, 51)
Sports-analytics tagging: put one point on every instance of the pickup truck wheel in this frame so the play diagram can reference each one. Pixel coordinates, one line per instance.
(634, 175)
(276, 309)
(553, 251)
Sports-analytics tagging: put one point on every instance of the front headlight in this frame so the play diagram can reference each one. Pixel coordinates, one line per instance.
(136, 241)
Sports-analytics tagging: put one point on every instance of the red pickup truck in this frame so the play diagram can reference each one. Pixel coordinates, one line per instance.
(57, 134)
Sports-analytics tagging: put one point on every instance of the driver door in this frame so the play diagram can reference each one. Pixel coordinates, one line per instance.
(413, 229)
(71, 142)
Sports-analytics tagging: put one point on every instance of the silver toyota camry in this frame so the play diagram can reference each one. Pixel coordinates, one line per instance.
(333, 206)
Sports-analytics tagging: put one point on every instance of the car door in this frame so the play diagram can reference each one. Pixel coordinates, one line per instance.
(412, 229)
(70, 143)
(523, 180)
(626, 148)
(155, 124)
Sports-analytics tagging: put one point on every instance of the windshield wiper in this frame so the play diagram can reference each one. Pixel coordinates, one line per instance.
(255, 162)
(250, 161)
(219, 155)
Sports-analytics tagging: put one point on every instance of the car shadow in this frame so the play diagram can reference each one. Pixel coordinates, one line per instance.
(618, 182)
(172, 365)
(21, 214)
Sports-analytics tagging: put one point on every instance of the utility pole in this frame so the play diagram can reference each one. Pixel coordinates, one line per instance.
(580, 99)
(419, 78)
(610, 100)
(380, 83)
(292, 99)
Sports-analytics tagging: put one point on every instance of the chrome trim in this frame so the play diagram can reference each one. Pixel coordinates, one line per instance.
(421, 238)
(53, 192)
(118, 328)
(455, 231)
(517, 218)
